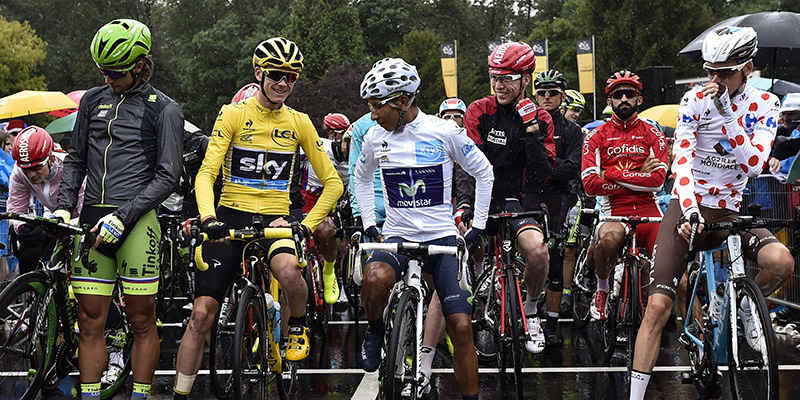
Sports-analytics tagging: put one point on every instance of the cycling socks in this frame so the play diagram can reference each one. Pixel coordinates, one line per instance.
(531, 306)
(428, 354)
(140, 391)
(183, 386)
(90, 391)
(639, 381)
(602, 285)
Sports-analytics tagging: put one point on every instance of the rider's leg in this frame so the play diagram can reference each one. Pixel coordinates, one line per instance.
(465, 361)
(379, 278)
(325, 237)
(610, 237)
(434, 328)
(554, 293)
(648, 342)
(285, 269)
(777, 263)
(530, 244)
(190, 352)
(141, 311)
(92, 353)
(568, 269)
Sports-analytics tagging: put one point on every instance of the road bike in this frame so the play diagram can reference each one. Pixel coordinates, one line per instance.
(584, 281)
(249, 316)
(404, 316)
(625, 303)
(729, 321)
(498, 304)
(174, 275)
(38, 320)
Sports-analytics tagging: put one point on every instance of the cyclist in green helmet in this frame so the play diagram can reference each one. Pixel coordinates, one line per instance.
(126, 144)
(573, 104)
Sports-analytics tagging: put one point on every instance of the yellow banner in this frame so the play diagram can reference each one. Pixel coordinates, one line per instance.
(540, 52)
(449, 74)
(586, 65)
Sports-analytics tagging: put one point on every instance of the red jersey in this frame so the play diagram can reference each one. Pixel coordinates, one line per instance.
(620, 148)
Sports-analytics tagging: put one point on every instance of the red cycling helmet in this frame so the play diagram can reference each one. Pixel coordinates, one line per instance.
(621, 77)
(336, 122)
(512, 58)
(32, 147)
(246, 92)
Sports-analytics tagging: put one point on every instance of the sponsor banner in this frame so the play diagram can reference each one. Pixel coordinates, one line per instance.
(586, 65)
(540, 52)
(449, 74)
(261, 170)
(414, 187)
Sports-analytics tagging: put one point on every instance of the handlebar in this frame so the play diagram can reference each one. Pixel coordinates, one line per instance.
(633, 220)
(540, 215)
(58, 228)
(295, 232)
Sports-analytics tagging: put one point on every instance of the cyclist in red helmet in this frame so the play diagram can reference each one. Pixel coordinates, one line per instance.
(624, 164)
(517, 138)
(37, 173)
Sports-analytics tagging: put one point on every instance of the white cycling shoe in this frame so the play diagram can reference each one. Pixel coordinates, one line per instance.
(423, 390)
(752, 331)
(537, 342)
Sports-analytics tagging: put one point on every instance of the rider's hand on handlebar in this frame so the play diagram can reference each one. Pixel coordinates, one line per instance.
(217, 231)
(29, 235)
(472, 237)
(685, 227)
(63, 215)
(463, 218)
(374, 234)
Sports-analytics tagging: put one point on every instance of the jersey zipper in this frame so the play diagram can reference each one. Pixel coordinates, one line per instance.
(105, 153)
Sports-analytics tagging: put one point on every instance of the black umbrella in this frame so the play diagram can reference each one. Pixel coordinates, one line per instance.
(778, 38)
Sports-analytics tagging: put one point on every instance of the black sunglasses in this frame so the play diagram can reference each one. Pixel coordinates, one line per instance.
(114, 74)
(548, 92)
(629, 93)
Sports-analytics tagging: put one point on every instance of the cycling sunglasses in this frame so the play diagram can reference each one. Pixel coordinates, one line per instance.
(629, 93)
(452, 116)
(114, 74)
(504, 79)
(548, 92)
(723, 72)
(277, 76)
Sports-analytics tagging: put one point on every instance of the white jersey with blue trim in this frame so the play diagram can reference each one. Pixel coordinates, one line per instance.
(416, 173)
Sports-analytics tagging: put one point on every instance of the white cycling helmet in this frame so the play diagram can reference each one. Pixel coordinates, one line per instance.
(730, 43)
(452, 104)
(390, 77)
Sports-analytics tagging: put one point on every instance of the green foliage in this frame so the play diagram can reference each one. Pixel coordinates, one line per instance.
(22, 52)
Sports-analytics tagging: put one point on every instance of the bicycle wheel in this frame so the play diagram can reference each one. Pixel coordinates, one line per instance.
(220, 353)
(610, 327)
(484, 301)
(315, 306)
(754, 366)
(516, 320)
(119, 344)
(250, 365)
(583, 285)
(28, 323)
(633, 311)
(400, 363)
(704, 373)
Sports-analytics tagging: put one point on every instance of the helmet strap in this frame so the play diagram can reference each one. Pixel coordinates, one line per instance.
(263, 92)
(401, 123)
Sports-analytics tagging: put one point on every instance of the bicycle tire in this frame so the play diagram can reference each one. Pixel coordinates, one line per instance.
(20, 351)
(757, 378)
(609, 326)
(582, 292)
(250, 348)
(703, 369)
(315, 304)
(401, 346)
(220, 353)
(634, 310)
(483, 334)
(119, 338)
(516, 317)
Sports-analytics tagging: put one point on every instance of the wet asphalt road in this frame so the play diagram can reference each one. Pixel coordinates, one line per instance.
(574, 371)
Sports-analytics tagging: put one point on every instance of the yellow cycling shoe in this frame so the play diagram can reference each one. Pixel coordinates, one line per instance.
(331, 286)
(297, 350)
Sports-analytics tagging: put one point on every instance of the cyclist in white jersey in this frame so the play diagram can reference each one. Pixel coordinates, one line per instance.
(416, 153)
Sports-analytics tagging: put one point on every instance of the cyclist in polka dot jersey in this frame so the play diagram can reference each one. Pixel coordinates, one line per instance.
(724, 135)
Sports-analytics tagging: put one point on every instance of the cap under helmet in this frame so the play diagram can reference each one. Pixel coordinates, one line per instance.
(512, 58)
(336, 121)
(280, 53)
(452, 104)
(790, 103)
(550, 77)
(574, 99)
(118, 44)
(618, 78)
(246, 92)
(32, 147)
(390, 77)
(730, 43)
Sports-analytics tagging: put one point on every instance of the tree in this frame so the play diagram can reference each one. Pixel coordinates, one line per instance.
(21, 53)
(328, 34)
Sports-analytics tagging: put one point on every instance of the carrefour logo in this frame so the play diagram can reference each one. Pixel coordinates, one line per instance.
(430, 151)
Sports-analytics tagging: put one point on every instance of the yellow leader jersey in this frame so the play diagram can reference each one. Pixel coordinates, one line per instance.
(256, 147)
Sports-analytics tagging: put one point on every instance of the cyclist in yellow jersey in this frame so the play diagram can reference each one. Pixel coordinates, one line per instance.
(255, 142)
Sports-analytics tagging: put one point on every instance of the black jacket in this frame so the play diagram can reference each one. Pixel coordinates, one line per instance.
(567, 171)
(129, 149)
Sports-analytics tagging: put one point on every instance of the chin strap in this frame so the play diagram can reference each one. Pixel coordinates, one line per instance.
(401, 124)
(263, 77)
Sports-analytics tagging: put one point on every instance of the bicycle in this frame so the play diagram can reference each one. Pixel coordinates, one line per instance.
(174, 275)
(38, 319)
(715, 332)
(625, 305)
(498, 304)
(584, 280)
(404, 316)
(255, 365)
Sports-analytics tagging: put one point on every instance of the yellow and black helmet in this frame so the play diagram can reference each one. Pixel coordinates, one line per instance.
(280, 53)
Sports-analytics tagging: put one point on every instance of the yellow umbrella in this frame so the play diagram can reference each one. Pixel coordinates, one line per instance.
(29, 102)
(665, 114)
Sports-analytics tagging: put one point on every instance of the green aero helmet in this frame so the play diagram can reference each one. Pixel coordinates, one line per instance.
(574, 99)
(550, 77)
(118, 44)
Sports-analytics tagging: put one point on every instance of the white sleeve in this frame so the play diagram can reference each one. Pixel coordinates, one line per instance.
(364, 175)
(475, 163)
